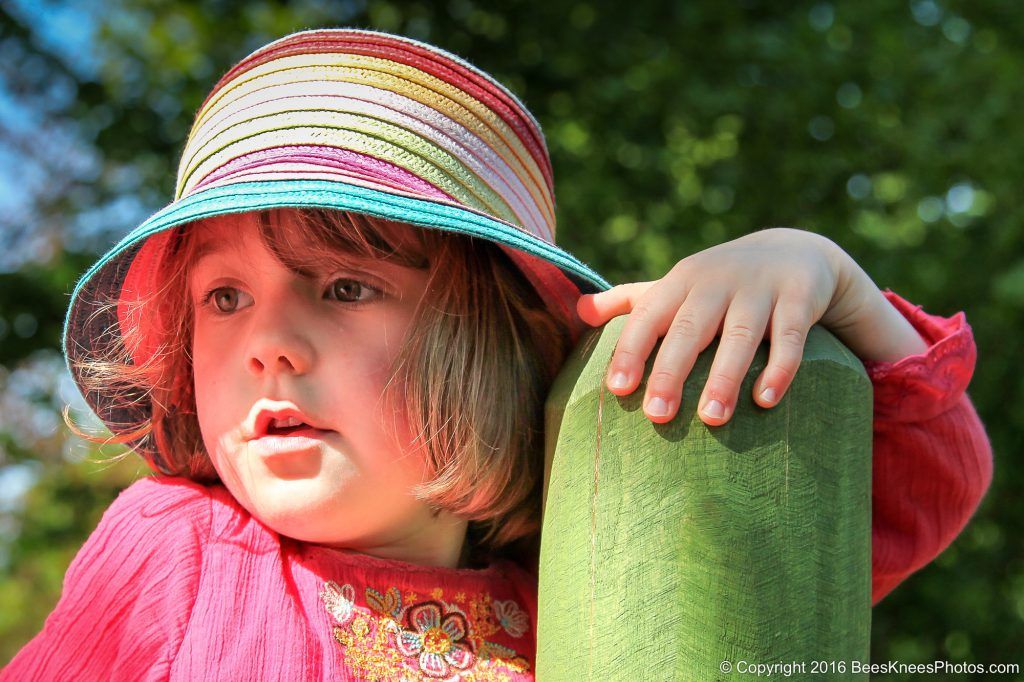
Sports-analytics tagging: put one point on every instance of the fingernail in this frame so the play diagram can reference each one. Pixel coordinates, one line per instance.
(768, 395)
(657, 407)
(619, 380)
(714, 409)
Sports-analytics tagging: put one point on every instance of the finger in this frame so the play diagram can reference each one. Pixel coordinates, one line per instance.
(649, 319)
(692, 329)
(596, 309)
(791, 321)
(742, 333)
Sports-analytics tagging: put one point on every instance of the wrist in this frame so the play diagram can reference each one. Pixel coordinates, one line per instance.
(889, 336)
(864, 319)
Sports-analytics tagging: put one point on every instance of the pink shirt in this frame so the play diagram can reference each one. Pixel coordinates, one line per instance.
(179, 582)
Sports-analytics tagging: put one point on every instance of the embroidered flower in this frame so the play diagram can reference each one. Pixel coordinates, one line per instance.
(388, 604)
(481, 615)
(339, 602)
(438, 639)
(387, 639)
(511, 617)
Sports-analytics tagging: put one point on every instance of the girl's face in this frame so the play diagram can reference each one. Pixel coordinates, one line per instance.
(267, 337)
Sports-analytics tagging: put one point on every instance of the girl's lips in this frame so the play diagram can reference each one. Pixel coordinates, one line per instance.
(297, 440)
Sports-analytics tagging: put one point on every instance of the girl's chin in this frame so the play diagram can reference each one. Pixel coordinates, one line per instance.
(294, 469)
(303, 491)
(300, 513)
(317, 493)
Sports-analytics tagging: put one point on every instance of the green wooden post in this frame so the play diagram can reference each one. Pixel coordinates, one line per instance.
(667, 549)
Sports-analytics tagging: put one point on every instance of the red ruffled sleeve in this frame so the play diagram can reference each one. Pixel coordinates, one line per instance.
(932, 460)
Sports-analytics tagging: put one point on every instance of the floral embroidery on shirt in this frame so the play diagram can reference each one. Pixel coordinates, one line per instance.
(438, 639)
(428, 640)
(389, 603)
(511, 617)
(340, 602)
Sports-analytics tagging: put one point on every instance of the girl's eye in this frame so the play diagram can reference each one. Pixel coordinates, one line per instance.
(349, 290)
(228, 295)
(226, 299)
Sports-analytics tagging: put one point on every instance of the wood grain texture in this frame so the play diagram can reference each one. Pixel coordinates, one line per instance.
(667, 548)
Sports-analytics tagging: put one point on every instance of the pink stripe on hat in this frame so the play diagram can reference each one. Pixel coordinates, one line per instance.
(310, 159)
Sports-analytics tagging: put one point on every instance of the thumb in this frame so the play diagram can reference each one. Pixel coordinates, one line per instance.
(596, 309)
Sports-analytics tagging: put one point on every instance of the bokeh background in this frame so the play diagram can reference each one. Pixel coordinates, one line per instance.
(893, 127)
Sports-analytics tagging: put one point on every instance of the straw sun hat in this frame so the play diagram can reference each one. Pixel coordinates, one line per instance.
(358, 121)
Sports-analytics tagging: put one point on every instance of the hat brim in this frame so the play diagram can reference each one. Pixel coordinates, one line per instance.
(559, 277)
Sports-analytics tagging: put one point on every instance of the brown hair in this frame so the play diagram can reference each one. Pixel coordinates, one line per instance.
(473, 372)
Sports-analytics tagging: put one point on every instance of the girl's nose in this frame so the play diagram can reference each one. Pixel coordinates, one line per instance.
(280, 359)
(279, 344)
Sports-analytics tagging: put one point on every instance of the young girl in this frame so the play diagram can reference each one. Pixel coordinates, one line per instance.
(333, 349)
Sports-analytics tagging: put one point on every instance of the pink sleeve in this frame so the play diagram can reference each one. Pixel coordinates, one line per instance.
(128, 593)
(932, 461)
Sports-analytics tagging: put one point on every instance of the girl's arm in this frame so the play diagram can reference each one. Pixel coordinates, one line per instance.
(128, 593)
(932, 461)
(931, 458)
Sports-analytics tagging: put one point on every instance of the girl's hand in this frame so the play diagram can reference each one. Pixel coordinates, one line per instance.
(773, 284)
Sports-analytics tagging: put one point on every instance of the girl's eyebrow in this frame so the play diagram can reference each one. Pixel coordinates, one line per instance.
(210, 247)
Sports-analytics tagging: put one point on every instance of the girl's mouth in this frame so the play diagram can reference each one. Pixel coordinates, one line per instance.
(289, 430)
(289, 439)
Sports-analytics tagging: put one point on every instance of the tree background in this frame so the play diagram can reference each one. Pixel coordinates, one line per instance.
(673, 126)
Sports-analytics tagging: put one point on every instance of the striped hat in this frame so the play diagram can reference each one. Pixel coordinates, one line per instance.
(358, 121)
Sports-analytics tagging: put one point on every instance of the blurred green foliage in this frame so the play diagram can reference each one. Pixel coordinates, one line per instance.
(673, 126)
